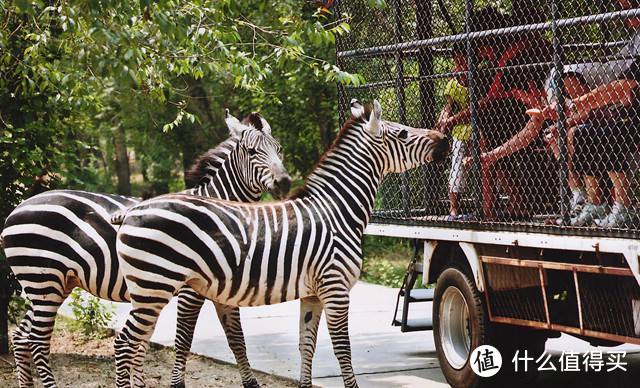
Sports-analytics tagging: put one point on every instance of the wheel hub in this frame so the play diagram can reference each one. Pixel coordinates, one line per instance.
(455, 333)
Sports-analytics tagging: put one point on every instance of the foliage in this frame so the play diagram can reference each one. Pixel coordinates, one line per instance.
(80, 81)
(91, 316)
(399, 248)
(17, 308)
(386, 260)
(381, 271)
(10, 289)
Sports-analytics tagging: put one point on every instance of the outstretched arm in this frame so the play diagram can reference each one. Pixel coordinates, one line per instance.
(619, 92)
(519, 141)
(445, 114)
(531, 99)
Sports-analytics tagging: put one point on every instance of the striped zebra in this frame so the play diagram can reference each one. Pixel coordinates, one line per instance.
(63, 239)
(307, 247)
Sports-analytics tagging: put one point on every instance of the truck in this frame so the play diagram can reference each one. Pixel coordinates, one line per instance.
(511, 263)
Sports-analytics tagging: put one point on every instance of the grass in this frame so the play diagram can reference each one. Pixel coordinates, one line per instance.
(386, 260)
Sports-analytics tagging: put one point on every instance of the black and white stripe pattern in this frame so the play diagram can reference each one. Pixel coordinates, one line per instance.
(63, 239)
(307, 247)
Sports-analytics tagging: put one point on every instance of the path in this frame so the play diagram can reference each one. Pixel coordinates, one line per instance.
(382, 355)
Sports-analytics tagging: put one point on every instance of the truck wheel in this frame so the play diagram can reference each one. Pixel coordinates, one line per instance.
(460, 324)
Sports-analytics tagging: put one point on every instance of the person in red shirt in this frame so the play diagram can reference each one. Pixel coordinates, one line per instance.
(501, 110)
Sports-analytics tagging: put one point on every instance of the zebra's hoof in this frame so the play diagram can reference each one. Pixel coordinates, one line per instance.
(251, 384)
(179, 385)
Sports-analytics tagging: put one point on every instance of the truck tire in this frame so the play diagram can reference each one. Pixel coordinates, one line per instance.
(461, 324)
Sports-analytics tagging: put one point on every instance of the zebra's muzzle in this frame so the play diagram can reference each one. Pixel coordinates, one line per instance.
(281, 187)
(440, 150)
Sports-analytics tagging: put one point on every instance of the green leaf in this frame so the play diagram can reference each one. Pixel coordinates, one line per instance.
(24, 6)
(380, 4)
(128, 54)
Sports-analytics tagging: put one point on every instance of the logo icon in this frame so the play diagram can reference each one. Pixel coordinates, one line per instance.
(485, 361)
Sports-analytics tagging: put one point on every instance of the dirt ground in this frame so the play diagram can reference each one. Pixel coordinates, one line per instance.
(91, 365)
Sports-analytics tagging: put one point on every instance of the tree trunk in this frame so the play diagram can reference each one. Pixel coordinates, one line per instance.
(122, 162)
(326, 133)
(5, 295)
(195, 139)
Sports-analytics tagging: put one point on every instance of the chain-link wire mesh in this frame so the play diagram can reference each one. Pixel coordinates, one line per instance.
(538, 99)
(607, 304)
(515, 292)
(610, 304)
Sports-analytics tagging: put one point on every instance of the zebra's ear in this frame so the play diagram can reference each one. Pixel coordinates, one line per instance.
(235, 126)
(357, 109)
(264, 125)
(266, 128)
(374, 120)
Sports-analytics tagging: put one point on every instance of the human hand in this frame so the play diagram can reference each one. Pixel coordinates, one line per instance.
(486, 160)
(443, 126)
(551, 135)
(533, 101)
(550, 111)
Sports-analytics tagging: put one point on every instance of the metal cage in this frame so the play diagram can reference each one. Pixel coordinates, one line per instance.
(538, 99)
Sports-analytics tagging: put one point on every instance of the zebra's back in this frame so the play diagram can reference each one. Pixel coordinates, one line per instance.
(66, 236)
(236, 254)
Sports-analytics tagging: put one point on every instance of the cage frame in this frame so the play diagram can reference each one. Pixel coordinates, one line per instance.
(426, 46)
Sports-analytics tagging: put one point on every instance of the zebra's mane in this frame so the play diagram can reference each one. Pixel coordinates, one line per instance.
(207, 164)
(352, 122)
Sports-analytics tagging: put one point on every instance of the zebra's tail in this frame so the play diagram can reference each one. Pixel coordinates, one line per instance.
(117, 218)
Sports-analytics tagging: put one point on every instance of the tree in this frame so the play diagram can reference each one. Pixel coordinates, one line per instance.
(95, 90)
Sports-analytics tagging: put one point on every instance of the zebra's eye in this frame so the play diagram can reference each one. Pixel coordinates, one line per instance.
(403, 134)
(252, 151)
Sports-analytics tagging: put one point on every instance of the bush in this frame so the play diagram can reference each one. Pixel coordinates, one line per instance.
(17, 308)
(386, 260)
(383, 272)
(91, 316)
(392, 247)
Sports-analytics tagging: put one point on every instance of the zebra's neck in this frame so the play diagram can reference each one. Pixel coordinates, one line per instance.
(345, 182)
(223, 177)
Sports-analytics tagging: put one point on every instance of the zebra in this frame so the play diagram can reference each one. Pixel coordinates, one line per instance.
(62, 239)
(307, 247)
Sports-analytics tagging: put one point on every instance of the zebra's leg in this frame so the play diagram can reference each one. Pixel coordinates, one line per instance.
(22, 350)
(336, 308)
(310, 314)
(137, 331)
(189, 305)
(44, 317)
(137, 369)
(229, 317)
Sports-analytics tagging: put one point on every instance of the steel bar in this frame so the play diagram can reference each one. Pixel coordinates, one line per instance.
(543, 289)
(560, 93)
(566, 329)
(578, 300)
(560, 23)
(586, 268)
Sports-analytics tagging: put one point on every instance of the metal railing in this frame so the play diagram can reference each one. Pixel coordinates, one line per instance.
(575, 172)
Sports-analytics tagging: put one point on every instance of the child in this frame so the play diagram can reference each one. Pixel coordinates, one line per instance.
(457, 99)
